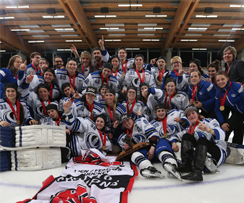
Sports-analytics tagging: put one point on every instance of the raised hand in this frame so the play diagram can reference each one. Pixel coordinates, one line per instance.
(74, 51)
(67, 106)
(23, 66)
(29, 78)
(153, 61)
(101, 43)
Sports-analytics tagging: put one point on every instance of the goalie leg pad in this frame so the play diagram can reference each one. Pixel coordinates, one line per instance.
(35, 159)
(5, 161)
(235, 154)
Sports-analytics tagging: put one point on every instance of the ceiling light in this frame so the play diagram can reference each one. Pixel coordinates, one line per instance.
(60, 16)
(193, 35)
(235, 6)
(189, 40)
(128, 5)
(0, 42)
(9, 17)
(147, 24)
(61, 25)
(221, 35)
(150, 40)
(200, 25)
(232, 25)
(105, 16)
(63, 49)
(40, 35)
(35, 31)
(145, 34)
(77, 40)
(112, 40)
(109, 28)
(20, 30)
(212, 16)
(133, 49)
(29, 26)
(116, 34)
(196, 49)
(237, 29)
(2, 50)
(115, 24)
(154, 16)
(26, 6)
(69, 35)
(226, 30)
(41, 41)
(226, 40)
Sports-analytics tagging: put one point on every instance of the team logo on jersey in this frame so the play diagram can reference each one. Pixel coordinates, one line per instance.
(9, 117)
(96, 81)
(93, 141)
(39, 110)
(139, 138)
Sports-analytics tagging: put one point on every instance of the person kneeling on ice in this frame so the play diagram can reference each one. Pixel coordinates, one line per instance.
(205, 135)
(141, 130)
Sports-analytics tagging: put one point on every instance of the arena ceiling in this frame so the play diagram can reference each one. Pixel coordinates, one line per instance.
(26, 25)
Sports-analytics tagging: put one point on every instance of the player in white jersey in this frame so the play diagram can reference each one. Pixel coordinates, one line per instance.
(174, 99)
(39, 100)
(205, 135)
(48, 78)
(158, 72)
(178, 74)
(13, 111)
(116, 71)
(87, 134)
(140, 130)
(151, 97)
(71, 75)
(87, 106)
(137, 75)
(133, 106)
(96, 79)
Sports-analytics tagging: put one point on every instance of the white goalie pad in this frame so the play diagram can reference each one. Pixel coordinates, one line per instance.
(40, 136)
(236, 153)
(35, 159)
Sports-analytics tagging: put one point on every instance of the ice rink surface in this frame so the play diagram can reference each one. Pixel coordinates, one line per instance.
(223, 187)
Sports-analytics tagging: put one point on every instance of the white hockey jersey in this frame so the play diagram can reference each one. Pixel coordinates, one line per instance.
(142, 132)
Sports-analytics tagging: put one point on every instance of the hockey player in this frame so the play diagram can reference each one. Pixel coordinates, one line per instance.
(43, 65)
(195, 64)
(85, 67)
(174, 99)
(87, 134)
(14, 73)
(158, 72)
(213, 68)
(178, 74)
(33, 66)
(205, 135)
(39, 100)
(96, 79)
(116, 72)
(137, 75)
(13, 111)
(141, 130)
(71, 75)
(201, 94)
(230, 97)
(132, 105)
(86, 106)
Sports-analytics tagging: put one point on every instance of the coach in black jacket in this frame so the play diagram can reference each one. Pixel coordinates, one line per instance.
(234, 68)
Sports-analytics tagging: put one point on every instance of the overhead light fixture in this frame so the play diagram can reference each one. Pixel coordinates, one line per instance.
(51, 11)
(112, 40)
(115, 24)
(147, 24)
(145, 34)
(108, 28)
(236, 6)
(232, 25)
(155, 16)
(61, 25)
(20, 30)
(69, 35)
(105, 16)
(150, 40)
(226, 40)
(197, 29)
(64, 29)
(237, 29)
(199, 35)
(116, 35)
(221, 35)
(63, 49)
(40, 35)
(35, 31)
(128, 5)
(134, 49)
(188, 40)
(41, 41)
(76, 40)
(2, 50)
(206, 16)
(198, 49)
(29, 26)
(225, 30)
(9, 17)
(59, 16)
(200, 25)
(25, 6)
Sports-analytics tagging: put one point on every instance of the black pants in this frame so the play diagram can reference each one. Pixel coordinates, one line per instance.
(235, 123)
(212, 147)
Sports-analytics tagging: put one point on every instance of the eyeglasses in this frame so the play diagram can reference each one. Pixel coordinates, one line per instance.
(176, 62)
(131, 92)
(58, 61)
